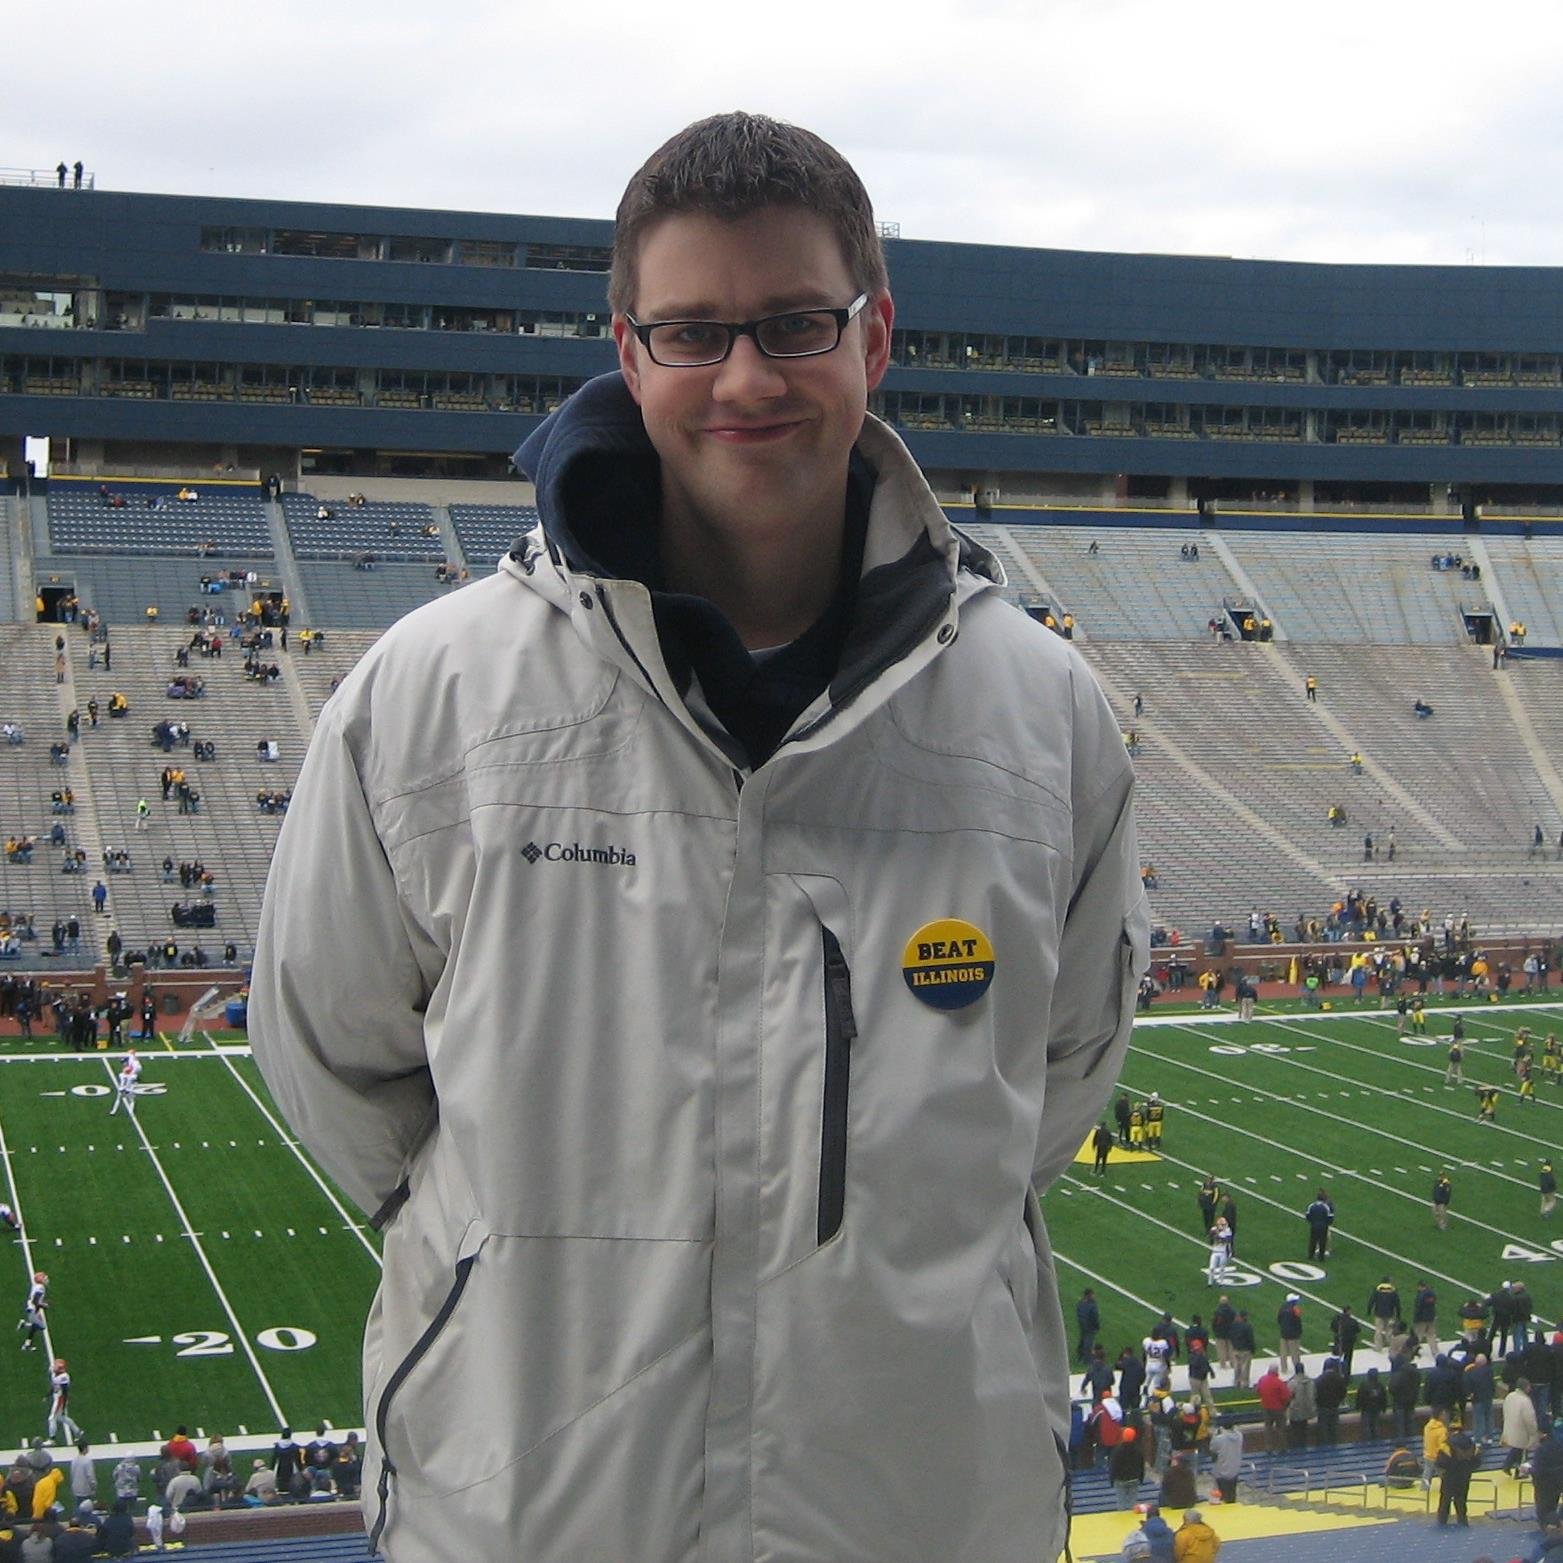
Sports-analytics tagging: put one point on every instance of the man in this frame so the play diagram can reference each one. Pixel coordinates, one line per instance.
(1345, 1332)
(1518, 1432)
(1226, 1455)
(1372, 1400)
(1424, 1316)
(31, 1323)
(1222, 1317)
(1123, 1110)
(718, 718)
(1455, 1073)
(1435, 1441)
(1243, 1348)
(62, 1426)
(1102, 1148)
(1320, 1216)
(1155, 1116)
(1194, 1541)
(1208, 1196)
(1229, 1215)
(1329, 1394)
(1220, 1253)
(1126, 1468)
(84, 1474)
(1546, 1470)
(1456, 1462)
(1383, 1310)
(1088, 1320)
(1443, 1194)
(1288, 1323)
(1274, 1396)
(125, 1086)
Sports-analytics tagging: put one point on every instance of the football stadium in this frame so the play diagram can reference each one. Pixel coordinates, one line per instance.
(1303, 522)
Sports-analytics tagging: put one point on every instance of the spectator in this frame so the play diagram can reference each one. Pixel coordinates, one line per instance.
(1372, 1401)
(39, 1545)
(181, 1490)
(262, 1485)
(1435, 1445)
(1126, 1468)
(84, 1474)
(117, 1534)
(127, 1479)
(1519, 1434)
(1195, 1541)
(1226, 1453)
(1546, 1471)
(1177, 1486)
(287, 1461)
(349, 1466)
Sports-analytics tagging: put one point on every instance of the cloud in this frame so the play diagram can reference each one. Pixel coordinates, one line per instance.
(1391, 131)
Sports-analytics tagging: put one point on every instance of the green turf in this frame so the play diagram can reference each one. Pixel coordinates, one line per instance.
(1283, 1106)
(278, 1254)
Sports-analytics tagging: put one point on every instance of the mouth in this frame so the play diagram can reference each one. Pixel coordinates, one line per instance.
(752, 433)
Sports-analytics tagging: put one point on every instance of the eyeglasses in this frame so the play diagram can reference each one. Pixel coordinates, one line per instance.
(696, 344)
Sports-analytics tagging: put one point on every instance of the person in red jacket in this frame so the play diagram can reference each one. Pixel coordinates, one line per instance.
(1274, 1396)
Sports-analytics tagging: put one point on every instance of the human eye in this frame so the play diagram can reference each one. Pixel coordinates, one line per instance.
(689, 339)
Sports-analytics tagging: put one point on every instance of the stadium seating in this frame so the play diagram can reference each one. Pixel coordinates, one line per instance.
(487, 531)
(339, 594)
(30, 697)
(390, 530)
(1531, 575)
(122, 588)
(230, 835)
(1348, 587)
(231, 520)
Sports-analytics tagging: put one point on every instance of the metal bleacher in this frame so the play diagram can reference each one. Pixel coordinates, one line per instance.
(123, 587)
(1355, 587)
(29, 696)
(391, 530)
(486, 532)
(342, 594)
(229, 518)
(1531, 573)
(333, 660)
(229, 835)
(1136, 585)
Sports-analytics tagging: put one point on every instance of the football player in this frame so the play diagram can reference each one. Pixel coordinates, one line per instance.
(31, 1322)
(125, 1086)
(62, 1426)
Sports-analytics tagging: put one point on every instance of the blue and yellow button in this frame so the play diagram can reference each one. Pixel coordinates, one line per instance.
(948, 964)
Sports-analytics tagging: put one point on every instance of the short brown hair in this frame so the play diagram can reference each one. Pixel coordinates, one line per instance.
(732, 165)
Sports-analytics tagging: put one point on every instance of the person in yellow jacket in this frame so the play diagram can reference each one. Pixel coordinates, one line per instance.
(1435, 1441)
(1194, 1541)
(45, 1490)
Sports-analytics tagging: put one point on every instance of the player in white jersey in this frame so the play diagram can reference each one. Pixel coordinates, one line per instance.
(1220, 1252)
(8, 1216)
(31, 1322)
(62, 1426)
(1158, 1362)
(125, 1086)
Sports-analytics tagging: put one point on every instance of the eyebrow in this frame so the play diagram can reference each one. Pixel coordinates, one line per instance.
(776, 304)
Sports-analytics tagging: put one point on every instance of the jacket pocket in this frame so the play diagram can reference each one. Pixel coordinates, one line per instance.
(399, 1376)
(840, 1033)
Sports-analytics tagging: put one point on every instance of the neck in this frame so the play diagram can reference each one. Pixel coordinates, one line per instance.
(772, 576)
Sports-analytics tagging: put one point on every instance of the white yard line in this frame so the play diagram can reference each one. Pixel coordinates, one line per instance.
(27, 1247)
(354, 1227)
(1399, 1096)
(1113, 1286)
(1253, 1193)
(1351, 1123)
(211, 1275)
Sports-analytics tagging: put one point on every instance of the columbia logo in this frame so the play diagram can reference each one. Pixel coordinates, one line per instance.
(576, 852)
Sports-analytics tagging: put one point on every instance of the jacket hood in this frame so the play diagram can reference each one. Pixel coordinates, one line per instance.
(601, 420)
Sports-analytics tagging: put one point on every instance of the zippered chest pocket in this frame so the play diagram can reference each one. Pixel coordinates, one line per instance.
(840, 1034)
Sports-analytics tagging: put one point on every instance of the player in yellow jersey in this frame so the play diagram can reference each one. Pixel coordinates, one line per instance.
(1551, 1058)
(1487, 1104)
(1155, 1111)
(1527, 1075)
(1137, 1127)
(1419, 1015)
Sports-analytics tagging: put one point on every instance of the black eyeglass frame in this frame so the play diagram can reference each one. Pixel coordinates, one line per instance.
(750, 329)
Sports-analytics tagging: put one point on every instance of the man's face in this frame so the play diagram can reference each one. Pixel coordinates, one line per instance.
(753, 440)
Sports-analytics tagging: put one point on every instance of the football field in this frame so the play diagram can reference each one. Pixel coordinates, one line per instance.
(201, 1269)
(1286, 1105)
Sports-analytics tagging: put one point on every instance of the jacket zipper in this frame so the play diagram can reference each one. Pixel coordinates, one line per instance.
(840, 1031)
(1069, 1494)
(399, 1377)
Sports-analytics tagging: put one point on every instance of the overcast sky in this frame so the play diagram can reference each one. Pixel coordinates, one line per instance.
(1376, 130)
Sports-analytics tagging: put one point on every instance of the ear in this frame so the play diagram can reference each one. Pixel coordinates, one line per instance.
(628, 344)
(878, 318)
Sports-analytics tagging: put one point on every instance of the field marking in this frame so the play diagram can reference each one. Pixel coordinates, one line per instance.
(354, 1227)
(1360, 1241)
(26, 1243)
(1451, 1161)
(211, 1274)
(1112, 1286)
(1379, 1090)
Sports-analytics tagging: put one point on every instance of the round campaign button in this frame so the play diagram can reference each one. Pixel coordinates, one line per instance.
(948, 964)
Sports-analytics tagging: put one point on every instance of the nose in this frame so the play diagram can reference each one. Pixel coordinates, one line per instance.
(746, 374)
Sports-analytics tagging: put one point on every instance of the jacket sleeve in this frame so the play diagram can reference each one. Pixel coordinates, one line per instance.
(1104, 948)
(338, 990)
